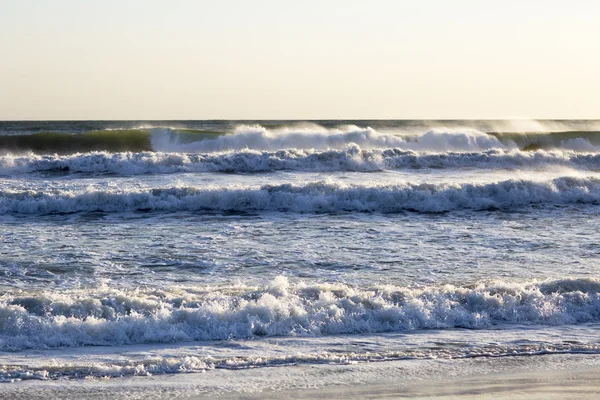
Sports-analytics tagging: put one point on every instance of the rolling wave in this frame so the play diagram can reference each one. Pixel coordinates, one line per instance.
(257, 137)
(570, 140)
(106, 316)
(50, 142)
(308, 136)
(315, 197)
(353, 158)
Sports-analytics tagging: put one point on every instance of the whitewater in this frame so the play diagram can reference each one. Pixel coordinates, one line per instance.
(139, 248)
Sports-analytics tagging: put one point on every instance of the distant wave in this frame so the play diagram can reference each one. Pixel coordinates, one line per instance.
(106, 316)
(314, 137)
(316, 197)
(353, 158)
(303, 137)
(50, 142)
(257, 137)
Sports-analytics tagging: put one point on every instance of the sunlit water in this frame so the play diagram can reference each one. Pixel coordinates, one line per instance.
(175, 263)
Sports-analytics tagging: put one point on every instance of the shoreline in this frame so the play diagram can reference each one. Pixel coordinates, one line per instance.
(543, 376)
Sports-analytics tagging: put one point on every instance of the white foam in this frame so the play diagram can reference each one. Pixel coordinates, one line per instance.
(257, 137)
(105, 316)
(142, 364)
(315, 197)
(579, 144)
(352, 158)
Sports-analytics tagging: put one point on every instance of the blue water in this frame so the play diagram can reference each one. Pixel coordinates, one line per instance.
(282, 242)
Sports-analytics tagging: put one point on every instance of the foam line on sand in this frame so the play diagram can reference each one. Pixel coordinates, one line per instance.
(542, 377)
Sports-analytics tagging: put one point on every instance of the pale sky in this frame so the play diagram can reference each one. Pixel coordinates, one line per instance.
(278, 59)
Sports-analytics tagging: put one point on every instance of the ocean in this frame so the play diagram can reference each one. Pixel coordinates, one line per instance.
(138, 248)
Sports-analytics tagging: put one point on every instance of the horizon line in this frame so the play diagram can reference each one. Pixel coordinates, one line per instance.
(300, 119)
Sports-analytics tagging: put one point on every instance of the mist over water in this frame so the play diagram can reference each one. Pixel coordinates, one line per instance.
(350, 241)
(211, 136)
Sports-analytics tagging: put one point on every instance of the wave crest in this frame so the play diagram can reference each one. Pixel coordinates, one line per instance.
(298, 136)
(352, 158)
(316, 197)
(257, 137)
(110, 317)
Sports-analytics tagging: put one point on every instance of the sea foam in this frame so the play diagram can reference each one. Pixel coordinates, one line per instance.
(314, 197)
(257, 137)
(351, 158)
(105, 316)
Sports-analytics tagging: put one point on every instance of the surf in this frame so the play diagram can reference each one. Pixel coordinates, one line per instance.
(297, 135)
(312, 197)
(107, 317)
(353, 159)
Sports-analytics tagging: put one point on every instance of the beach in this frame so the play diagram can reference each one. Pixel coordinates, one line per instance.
(545, 377)
(299, 259)
(299, 200)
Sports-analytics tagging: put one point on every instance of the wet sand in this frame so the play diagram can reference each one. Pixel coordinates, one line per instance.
(532, 377)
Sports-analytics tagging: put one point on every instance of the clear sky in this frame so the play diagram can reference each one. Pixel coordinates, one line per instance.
(279, 59)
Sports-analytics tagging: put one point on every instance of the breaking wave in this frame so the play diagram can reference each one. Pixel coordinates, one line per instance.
(295, 136)
(108, 316)
(315, 197)
(315, 137)
(353, 158)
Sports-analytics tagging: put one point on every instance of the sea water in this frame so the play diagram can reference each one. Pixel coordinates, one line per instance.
(162, 247)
